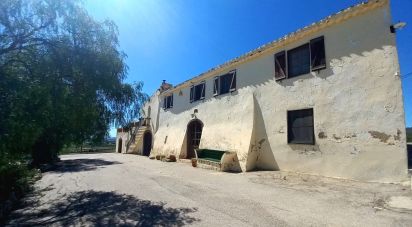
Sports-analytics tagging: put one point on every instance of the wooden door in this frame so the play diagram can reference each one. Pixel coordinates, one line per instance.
(194, 134)
(147, 143)
(119, 146)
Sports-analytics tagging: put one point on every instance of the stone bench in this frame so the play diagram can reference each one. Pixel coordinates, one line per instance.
(208, 154)
(217, 159)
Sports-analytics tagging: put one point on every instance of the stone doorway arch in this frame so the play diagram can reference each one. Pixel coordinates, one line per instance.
(119, 145)
(194, 134)
(147, 143)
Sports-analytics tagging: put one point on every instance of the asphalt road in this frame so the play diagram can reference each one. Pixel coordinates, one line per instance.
(111, 189)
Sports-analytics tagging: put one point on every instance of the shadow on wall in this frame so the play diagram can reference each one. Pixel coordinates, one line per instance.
(97, 208)
(77, 165)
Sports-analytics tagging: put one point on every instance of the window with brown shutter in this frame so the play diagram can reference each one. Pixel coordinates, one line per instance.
(225, 83)
(233, 83)
(199, 91)
(216, 86)
(192, 89)
(301, 60)
(280, 65)
(317, 53)
(168, 102)
(202, 96)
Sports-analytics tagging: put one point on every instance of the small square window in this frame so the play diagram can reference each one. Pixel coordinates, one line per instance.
(168, 102)
(301, 127)
(197, 92)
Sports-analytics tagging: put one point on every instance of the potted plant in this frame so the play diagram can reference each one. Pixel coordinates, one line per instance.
(194, 162)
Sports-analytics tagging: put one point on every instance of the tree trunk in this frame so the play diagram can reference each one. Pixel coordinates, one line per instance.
(45, 150)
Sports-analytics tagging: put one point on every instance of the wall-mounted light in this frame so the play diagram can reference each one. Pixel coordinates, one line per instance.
(397, 26)
(193, 115)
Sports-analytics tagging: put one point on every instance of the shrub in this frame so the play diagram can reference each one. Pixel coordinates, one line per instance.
(15, 177)
(16, 180)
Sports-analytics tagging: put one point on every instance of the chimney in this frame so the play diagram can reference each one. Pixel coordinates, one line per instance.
(165, 86)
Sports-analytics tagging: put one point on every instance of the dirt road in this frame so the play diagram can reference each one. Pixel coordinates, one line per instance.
(111, 189)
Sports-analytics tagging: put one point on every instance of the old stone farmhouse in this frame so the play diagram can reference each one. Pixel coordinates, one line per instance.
(324, 100)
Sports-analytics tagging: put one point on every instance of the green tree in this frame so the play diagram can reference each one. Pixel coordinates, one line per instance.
(61, 78)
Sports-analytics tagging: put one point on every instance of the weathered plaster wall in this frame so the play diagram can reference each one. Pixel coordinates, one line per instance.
(230, 162)
(234, 135)
(357, 103)
(151, 110)
(124, 136)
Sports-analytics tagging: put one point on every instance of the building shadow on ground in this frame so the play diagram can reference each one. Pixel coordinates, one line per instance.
(96, 208)
(77, 165)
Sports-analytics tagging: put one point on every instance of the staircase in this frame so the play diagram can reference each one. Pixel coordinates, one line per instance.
(136, 138)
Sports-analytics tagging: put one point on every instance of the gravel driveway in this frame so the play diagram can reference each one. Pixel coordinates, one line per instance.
(111, 189)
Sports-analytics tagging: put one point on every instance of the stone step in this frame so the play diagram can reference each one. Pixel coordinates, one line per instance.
(185, 160)
(209, 167)
(210, 163)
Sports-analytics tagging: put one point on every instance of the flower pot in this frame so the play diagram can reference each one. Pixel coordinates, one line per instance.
(194, 162)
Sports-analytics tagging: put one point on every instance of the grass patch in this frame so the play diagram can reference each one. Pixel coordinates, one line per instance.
(89, 149)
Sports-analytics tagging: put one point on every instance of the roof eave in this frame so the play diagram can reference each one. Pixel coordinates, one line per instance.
(270, 47)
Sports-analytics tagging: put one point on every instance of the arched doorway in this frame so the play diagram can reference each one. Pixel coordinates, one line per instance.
(194, 134)
(147, 143)
(119, 146)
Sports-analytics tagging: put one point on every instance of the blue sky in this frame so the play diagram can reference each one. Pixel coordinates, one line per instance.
(178, 39)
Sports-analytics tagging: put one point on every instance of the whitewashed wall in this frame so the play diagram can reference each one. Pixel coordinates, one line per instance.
(125, 137)
(357, 103)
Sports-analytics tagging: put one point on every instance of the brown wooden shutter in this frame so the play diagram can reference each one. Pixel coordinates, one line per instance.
(202, 94)
(280, 65)
(233, 82)
(171, 101)
(317, 53)
(192, 89)
(216, 86)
